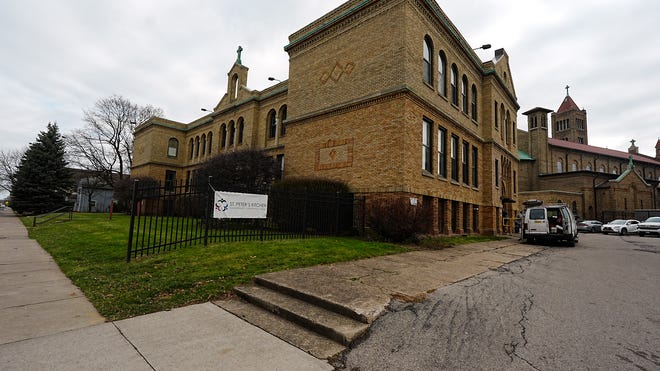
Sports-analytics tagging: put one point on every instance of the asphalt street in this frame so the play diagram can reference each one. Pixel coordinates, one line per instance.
(595, 306)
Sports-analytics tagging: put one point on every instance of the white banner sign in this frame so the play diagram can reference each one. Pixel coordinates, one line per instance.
(240, 205)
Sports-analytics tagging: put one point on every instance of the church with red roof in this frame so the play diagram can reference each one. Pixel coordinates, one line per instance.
(557, 164)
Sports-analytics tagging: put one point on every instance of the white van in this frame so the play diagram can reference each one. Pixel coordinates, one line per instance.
(549, 223)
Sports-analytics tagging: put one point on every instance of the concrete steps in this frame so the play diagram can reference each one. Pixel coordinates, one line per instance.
(321, 328)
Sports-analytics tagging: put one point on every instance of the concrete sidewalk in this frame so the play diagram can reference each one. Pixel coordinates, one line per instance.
(36, 298)
(46, 323)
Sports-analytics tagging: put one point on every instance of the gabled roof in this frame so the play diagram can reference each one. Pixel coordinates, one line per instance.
(625, 174)
(568, 105)
(601, 151)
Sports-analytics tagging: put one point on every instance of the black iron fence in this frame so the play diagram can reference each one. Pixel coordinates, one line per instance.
(171, 216)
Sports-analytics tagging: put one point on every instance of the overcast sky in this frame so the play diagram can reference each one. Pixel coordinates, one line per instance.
(58, 57)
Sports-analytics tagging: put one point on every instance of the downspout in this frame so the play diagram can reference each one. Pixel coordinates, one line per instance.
(595, 197)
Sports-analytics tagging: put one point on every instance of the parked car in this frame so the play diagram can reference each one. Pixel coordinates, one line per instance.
(620, 226)
(589, 226)
(549, 223)
(649, 226)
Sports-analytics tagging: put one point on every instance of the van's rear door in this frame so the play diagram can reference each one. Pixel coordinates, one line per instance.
(538, 221)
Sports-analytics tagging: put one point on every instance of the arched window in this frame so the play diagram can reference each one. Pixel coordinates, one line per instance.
(454, 84)
(496, 116)
(241, 127)
(173, 147)
(502, 120)
(192, 148)
(464, 94)
(574, 166)
(602, 169)
(588, 167)
(514, 131)
(234, 86)
(442, 74)
(614, 171)
(209, 138)
(197, 146)
(203, 144)
(223, 136)
(427, 66)
(232, 132)
(560, 166)
(474, 102)
(282, 119)
(507, 127)
(272, 124)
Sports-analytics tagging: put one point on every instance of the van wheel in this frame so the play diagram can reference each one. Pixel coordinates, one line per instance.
(642, 234)
(623, 232)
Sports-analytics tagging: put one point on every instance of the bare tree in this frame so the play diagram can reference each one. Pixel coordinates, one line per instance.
(9, 161)
(105, 144)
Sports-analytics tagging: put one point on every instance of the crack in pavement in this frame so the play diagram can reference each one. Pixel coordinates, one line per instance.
(511, 349)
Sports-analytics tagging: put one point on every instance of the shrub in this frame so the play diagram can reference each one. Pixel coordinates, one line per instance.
(123, 191)
(246, 171)
(395, 219)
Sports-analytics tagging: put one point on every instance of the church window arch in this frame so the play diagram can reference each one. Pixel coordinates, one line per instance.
(427, 64)
(560, 166)
(172, 147)
(232, 132)
(223, 136)
(442, 74)
(282, 116)
(454, 84)
(272, 124)
(241, 129)
(474, 102)
(234, 87)
(464, 94)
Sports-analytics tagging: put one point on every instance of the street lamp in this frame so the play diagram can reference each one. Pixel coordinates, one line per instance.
(206, 110)
(484, 47)
(274, 79)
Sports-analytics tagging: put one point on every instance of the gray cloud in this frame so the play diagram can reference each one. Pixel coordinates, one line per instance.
(58, 58)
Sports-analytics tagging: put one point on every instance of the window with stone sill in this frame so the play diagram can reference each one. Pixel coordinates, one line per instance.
(172, 147)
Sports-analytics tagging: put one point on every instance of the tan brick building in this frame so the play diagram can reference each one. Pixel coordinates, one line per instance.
(598, 183)
(385, 95)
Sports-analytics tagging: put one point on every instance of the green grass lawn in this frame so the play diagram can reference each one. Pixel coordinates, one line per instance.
(91, 250)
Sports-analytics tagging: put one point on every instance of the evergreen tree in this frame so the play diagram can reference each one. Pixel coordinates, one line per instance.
(42, 181)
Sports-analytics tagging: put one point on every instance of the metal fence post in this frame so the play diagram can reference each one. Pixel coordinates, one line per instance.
(207, 215)
(304, 221)
(130, 229)
(337, 207)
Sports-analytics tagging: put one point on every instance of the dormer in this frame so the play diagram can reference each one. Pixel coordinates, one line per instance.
(501, 63)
